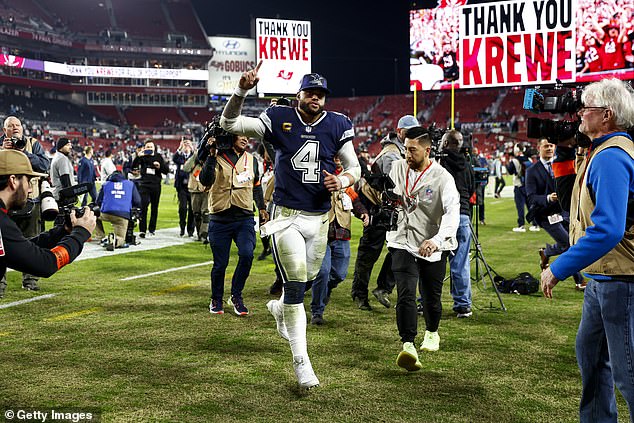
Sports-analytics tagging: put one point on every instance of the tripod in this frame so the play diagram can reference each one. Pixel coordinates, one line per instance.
(479, 259)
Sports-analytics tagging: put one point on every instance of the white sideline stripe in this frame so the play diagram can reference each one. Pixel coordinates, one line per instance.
(173, 269)
(28, 300)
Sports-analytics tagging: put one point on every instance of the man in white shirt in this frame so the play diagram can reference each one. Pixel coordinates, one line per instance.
(427, 225)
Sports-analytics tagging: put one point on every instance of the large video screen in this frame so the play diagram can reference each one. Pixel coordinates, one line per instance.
(520, 42)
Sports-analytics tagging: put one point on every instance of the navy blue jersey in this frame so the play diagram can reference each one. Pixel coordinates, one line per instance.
(302, 152)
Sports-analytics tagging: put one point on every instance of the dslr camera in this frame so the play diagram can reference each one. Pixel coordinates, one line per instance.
(223, 140)
(17, 143)
(560, 100)
(60, 211)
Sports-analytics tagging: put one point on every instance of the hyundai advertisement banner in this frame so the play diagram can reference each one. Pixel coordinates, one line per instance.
(231, 57)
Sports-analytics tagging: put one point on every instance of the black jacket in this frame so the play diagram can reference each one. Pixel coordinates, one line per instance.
(40, 256)
(150, 176)
(457, 165)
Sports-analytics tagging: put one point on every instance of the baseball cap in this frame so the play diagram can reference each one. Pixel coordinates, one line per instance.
(314, 81)
(13, 162)
(407, 121)
(61, 142)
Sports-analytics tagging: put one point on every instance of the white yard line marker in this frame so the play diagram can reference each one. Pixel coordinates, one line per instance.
(28, 300)
(173, 269)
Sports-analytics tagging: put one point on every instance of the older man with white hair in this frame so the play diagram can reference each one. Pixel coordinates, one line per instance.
(602, 247)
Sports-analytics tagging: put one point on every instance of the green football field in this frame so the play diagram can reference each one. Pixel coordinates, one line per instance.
(133, 348)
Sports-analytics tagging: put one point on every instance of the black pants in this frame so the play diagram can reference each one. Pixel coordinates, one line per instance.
(370, 247)
(150, 196)
(408, 272)
(185, 211)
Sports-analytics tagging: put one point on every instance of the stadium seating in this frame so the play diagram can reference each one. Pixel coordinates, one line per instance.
(184, 20)
(141, 18)
(82, 16)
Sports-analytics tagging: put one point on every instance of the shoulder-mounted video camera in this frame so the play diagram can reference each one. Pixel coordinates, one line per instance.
(223, 140)
(560, 100)
(385, 215)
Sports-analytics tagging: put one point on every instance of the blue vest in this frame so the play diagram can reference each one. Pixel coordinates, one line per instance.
(117, 198)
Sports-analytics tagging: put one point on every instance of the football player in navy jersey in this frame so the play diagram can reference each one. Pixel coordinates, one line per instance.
(304, 141)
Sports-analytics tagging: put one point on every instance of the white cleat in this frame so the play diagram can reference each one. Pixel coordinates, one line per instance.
(276, 311)
(304, 372)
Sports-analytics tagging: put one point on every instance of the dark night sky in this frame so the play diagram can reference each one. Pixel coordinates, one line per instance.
(360, 46)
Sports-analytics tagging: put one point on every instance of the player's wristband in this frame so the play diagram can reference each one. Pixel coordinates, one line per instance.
(241, 92)
(345, 181)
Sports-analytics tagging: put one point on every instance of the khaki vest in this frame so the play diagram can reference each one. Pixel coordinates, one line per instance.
(344, 217)
(620, 260)
(227, 191)
(372, 194)
(270, 187)
(35, 182)
(193, 184)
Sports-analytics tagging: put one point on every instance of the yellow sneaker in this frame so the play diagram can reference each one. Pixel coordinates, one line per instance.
(431, 342)
(408, 358)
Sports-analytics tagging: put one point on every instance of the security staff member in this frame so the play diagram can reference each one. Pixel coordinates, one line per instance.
(151, 167)
(50, 251)
(235, 183)
(30, 224)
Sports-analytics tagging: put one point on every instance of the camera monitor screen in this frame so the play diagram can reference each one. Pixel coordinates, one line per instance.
(475, 44)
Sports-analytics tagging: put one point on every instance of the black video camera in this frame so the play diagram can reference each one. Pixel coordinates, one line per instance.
(559, 100)
(223, 140)
(385, 215)
(68, 198)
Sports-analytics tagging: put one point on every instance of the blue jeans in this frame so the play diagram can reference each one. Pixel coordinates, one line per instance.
(242, 232)
(460, 267)
(605, 349)
(519, 195)
(334, 270)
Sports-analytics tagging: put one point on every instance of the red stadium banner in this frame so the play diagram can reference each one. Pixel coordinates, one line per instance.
(523, 42)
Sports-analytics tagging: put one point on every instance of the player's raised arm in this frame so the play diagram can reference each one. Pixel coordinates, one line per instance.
(232, 120)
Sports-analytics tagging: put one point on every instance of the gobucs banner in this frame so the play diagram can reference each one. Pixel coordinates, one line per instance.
(517, 43)
(231, 57)
(284, 47)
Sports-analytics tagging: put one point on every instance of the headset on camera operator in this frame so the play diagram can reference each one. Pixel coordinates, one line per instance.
(427, 223)
(454, 158)
(232, 173)
(50, 251)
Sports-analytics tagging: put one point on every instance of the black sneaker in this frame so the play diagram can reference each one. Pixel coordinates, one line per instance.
(30, 285)
(276, 288)
(264, 254)
(238, 306)
(182, 233)
(362, 303)
(215, 307)
(317, 320)
(382, 297)
(142, 235)
(463, 312)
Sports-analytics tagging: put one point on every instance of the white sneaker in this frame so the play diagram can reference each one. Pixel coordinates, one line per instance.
(275, 310)
(408, 358)
(431, 342)
(534, 228)
(519, 229)
(304, 372)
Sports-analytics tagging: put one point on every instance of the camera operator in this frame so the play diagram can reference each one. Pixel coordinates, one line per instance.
(50, 251)
(427, 225)
(199, 196)
(29, 223)
(116, 199)
(602, 246)
(233, 176)
(151, 166)
(373, 238)
(455, 161)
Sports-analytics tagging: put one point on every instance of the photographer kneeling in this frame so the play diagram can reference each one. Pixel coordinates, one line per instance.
(48, 252)
(116, 199)
(427, 225)
(233, 175)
